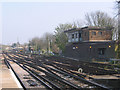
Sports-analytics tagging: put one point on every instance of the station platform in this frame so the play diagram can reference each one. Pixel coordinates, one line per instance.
(7, 78)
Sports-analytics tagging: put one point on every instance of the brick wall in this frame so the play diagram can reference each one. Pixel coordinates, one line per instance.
(82, 51)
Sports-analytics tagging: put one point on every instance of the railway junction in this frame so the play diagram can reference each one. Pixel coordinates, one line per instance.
(58, 73)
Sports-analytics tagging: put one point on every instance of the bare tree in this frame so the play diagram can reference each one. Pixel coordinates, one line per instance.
(51, 45)
(118, 42)
(44, 43)
(48, 40)
(100, 19)
(35, 43)
(77, 24)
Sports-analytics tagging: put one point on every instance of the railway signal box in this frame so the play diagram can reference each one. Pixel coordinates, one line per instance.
(90, 43)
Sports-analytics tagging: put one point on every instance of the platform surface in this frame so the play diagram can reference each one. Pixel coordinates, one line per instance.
(6, 78)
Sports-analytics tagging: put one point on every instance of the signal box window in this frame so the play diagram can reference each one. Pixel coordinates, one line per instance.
(79, 35)
(93, 33)
(101, 51)
(76, 35)
(72, 35)
(100, 33)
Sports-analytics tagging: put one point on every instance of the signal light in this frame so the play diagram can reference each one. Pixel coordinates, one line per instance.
(109, 46)
(76, 47)
(90, 46)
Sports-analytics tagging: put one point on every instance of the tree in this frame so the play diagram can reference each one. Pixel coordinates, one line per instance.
(100, 19)
(48, 40)
(118, 42)
(35, 43)
(44, 43)
(60, 36)
(14, 45)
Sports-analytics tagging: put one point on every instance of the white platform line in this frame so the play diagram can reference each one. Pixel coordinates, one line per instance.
(16, 80)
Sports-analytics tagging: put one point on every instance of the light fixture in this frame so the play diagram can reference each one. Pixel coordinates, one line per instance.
(90, 46)
(76, 47)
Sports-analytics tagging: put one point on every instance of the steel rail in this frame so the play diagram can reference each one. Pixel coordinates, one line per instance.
(84, 80)
(10, 67)
(55, 76)
(33, 75)
(81, 79)
(89, 82)
(55, 86)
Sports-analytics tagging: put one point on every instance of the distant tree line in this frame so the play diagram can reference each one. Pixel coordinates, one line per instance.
(46, 43)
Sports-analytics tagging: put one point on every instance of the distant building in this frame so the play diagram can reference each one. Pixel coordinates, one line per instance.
(89, 43)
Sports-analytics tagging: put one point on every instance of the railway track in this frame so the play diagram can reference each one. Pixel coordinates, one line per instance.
(33, 74)
(54, 74)
(10, 67)
(94, 68)
(67, 85)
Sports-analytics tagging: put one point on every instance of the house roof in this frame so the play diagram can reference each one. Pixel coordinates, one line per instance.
(87, 28)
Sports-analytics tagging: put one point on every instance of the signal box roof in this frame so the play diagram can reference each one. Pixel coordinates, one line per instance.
(87, 28)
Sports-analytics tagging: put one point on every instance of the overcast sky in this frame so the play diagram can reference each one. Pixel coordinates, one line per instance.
(25, 20)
